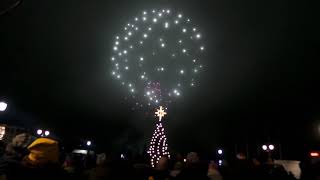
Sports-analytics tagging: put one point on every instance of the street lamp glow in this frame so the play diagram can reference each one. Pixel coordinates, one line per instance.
(264, 147)
(220, 151)
(271, 147)
(46, 133)
(3, 106)
(88, 143)
(39, 131)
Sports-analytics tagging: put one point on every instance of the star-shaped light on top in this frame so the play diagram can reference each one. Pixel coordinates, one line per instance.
(160, 113)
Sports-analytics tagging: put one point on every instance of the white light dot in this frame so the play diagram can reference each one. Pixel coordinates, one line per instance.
(132, 90)
(194, 60)
(113, 73)
(184, 30)
(117, 43)
(126, 38)
(194, 29)
(118, 76)
(130, 85)
(149, 28)
(136, 28)
(145, 35)
(192, 84)
(126, 67)
(132, 25)
(180, 15)
(198, 36)
(117, 37)
(162, 69)
(184, 50)
(168, 11)
(125, 28)
(120, 54)
(144, 12)
(155, 20)
(129, 33)
(195, 70)
(141, 42)
(160, 14)
(181, 71)
(162, 45)
(112, 59)
(141, 58)
(176, 22)
(142, 76)
(188, 20)
(201, 48)
(131, 47)
(125, 52)
(136, 19)
(166, 25)
(153, 11)
(115, 48)
(144, 19)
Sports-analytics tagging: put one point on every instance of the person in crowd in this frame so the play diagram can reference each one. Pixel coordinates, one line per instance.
(213, 172)
(103, 169)
(10, 162)
(161, 172)
(42, 162)
(194, 169)
(177, 168)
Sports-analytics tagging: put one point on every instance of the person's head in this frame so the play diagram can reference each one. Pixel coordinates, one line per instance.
(163, 163)
(256, 162)
(43, 151)
(101, 159)
(192, 158)
(241, 156)
(18, 146)
(212, 165)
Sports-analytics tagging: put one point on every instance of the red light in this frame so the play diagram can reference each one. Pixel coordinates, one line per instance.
(314, 154)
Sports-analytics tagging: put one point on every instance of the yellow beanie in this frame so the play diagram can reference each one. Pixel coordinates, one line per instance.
(43, 150)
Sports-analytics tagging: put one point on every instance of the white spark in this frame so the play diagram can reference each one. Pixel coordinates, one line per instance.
(188, 20)
(144, 12)
(129, 33)
(166, 25)
(144, 18)
(194, 60)
(141, 58)
(136, 19)
(195, 70)
(117, 37)
(194, 29)
(184, 50)
(142, 76)
(112, 58)
(198, 36)
(176, 21)
(131, 47)
(113, 73)
(182, 71)
(153, 11)
(168, 11)
(149, 28)
(180, 15)
(126, 38)
(201, 48)
(118, 76)
(162, 45)
(126, 67)
(125, 52)
(115, 48)
(145, 35)
(184, 30)
(160, 14)
(117, 43)
(141, 42)
(155, 20)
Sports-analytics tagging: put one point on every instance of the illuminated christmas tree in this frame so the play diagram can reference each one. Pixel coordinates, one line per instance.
(158, 145)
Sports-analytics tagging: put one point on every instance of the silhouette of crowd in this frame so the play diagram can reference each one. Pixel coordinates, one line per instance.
(41, 158)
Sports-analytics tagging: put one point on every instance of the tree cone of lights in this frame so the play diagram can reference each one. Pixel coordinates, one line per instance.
(158, 146)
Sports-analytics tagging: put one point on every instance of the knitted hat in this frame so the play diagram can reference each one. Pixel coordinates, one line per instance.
(43, 151)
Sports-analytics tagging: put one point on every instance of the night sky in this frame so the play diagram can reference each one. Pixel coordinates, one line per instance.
(260, 82)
